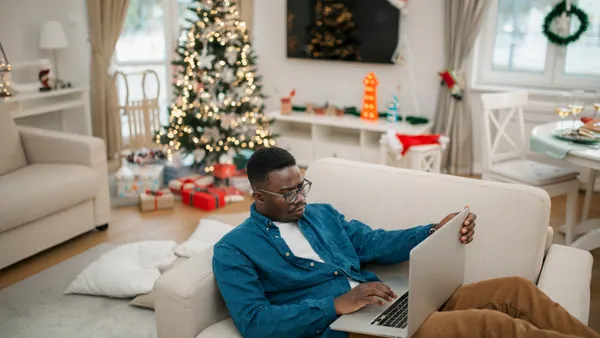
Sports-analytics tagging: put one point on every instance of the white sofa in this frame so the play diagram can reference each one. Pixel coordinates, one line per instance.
(53, 187)
(512, 239)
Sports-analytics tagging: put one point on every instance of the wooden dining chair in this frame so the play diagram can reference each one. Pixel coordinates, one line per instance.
(505, 157)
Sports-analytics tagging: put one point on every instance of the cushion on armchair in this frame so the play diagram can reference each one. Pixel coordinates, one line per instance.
(39, 190)
(12, 155)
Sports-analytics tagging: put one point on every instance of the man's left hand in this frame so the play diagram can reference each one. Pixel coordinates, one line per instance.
(468, 229)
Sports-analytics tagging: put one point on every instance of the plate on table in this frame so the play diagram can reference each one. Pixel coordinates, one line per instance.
(578, 136)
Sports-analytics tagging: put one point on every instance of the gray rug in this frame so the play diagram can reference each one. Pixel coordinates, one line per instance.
(36, 307)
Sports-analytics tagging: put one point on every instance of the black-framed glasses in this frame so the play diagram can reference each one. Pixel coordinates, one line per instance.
(291, 196)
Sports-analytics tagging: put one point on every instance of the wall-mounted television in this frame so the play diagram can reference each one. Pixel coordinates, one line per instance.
(345, 30)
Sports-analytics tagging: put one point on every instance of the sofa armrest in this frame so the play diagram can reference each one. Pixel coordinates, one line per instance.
(188, 299)
(46, 146)
(566, 277)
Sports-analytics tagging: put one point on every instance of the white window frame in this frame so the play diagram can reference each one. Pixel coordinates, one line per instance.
(553, 76)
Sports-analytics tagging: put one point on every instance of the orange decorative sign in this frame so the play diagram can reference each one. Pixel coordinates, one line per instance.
(369, 108)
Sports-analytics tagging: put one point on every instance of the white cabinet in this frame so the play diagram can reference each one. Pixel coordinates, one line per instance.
(311, 137)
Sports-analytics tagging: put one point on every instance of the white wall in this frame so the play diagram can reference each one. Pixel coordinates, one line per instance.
(340, 83)
(20, 22)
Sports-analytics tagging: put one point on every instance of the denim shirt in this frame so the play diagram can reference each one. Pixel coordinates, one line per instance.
(272, 293)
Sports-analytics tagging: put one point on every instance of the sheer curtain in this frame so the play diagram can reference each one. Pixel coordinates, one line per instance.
(462, 22)
(105, 22)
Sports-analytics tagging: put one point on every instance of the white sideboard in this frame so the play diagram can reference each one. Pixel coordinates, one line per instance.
(73, 105)
(311, 137)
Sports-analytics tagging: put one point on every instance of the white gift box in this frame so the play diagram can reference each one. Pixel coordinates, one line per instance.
(133, 179)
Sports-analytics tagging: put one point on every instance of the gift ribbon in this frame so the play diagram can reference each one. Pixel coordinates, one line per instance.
(198, 189)
(156, 194)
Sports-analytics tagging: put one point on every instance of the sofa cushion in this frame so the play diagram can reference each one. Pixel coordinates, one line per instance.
(533, 173)
(12, 155)
(225, 328)
(38, 190)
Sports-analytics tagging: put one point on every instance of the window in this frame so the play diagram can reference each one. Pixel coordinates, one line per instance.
(147, 41)
(514, 51)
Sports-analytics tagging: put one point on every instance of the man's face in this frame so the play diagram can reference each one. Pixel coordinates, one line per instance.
(275, 206)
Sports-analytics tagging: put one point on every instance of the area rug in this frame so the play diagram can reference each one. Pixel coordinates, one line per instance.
(36, 307)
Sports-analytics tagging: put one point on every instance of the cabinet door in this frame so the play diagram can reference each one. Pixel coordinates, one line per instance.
(347, 152)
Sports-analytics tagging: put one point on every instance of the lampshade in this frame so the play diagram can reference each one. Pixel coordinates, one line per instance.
(52, 36)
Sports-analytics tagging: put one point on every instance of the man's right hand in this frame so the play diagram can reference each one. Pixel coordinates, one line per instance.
(363, 295)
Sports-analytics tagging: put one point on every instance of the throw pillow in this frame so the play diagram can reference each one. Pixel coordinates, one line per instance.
(208, 232)
(126, 271)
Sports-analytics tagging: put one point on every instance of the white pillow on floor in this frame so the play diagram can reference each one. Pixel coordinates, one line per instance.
(208, 232)
(126, 271)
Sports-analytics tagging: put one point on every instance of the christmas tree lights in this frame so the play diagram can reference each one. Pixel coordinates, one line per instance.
(218, 108)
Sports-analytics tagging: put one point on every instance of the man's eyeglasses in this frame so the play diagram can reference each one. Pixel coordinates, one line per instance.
(291, 196)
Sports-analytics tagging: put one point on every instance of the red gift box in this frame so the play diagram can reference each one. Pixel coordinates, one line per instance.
(224, 170)
(204, 198)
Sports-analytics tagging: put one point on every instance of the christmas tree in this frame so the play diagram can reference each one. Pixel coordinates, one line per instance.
(333, 33)
(218, 108)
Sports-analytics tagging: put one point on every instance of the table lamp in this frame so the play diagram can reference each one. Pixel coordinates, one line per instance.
(53, 37)
(4, 70)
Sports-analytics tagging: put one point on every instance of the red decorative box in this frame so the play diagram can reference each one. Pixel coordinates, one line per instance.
(224, 170)
(204, 198)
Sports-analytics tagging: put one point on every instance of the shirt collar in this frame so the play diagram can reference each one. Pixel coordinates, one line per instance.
(258, 218)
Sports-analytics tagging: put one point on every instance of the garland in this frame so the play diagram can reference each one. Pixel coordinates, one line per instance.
(562, 11)
(414, 120)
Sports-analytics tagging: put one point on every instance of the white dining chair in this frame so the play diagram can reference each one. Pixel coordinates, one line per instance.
(507, 162)
(426, 157)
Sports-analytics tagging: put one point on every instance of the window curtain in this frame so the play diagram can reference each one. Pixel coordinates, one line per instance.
(105, 22)
(462, 23)
(246, 13)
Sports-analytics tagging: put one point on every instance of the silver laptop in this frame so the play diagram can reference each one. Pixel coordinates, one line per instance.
(437, 268)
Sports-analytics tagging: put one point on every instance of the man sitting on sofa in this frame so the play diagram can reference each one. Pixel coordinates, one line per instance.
(292, 268)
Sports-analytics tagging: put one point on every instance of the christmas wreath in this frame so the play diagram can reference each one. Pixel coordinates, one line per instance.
(563, 11)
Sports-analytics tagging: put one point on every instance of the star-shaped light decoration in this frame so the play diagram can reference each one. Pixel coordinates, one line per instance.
(205, 59)
(228, 76)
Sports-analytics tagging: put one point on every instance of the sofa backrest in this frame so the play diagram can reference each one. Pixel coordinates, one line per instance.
(512, 219)
(12, 155)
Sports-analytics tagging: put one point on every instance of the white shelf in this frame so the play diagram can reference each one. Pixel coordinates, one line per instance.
(352, 122)
(311, 137)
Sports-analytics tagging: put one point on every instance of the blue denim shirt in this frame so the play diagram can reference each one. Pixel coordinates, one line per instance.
(272, 293)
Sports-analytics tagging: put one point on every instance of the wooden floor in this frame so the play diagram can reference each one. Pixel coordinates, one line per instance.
(130, 225)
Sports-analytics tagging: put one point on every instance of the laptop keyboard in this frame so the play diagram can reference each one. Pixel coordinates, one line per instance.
(396, 315)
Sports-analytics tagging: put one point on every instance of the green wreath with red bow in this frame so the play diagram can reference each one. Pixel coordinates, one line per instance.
(560, 17)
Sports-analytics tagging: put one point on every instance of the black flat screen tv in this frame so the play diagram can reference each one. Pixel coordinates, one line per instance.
(345, 30)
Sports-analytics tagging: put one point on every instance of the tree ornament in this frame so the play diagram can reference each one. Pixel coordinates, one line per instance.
(558, 22)
(369, 109)
(205, 59)
(231, 55)
(227, 75)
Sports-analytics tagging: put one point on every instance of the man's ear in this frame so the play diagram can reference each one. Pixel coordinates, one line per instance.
(258, 197)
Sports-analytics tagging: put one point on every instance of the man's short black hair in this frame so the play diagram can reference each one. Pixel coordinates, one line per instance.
(266, 160)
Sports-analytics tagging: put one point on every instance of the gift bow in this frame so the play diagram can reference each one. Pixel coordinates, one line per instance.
(154, 192)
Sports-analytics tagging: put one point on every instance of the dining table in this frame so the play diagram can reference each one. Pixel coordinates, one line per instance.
(544, 141)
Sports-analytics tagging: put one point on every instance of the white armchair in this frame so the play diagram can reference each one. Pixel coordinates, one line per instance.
(53, 187)
(512, 239)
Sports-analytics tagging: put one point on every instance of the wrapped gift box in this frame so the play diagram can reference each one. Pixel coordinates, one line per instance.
(134, 179)
(153, 200)
(204, 198)
(188, 182)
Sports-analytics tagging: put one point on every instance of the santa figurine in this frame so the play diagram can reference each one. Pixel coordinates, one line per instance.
(45, 80)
